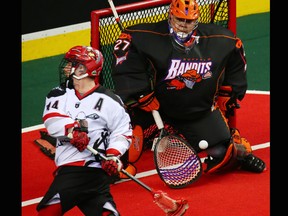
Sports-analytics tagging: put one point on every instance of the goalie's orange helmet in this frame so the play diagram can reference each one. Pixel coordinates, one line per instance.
(185, 9)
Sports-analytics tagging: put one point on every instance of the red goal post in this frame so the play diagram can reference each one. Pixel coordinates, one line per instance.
(105, 31)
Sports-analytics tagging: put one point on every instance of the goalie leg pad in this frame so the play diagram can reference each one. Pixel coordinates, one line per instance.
(228, 162)
(130, 169)
(247, 160)
(135, 150)
(238, 149)
(253, 164)
(227, 104)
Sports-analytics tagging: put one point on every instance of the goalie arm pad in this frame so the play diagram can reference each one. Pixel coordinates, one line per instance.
(226, 101)
(146, 102)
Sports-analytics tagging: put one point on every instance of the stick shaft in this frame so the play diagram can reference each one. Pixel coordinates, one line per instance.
(112, 6)
(94, 151)
(158, 119)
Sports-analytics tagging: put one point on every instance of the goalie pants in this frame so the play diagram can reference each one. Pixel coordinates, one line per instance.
(85, 187)
(210, 126)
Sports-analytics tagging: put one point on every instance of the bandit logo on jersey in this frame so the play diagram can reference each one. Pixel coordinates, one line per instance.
(190, 76)
(188, 79)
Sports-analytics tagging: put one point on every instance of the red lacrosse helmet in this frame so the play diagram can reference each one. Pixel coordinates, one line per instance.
(88, 56)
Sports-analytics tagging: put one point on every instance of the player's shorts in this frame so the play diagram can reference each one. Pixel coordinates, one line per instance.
(85, 187)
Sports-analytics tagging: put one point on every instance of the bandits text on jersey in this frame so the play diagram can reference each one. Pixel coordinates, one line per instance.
(178, 67)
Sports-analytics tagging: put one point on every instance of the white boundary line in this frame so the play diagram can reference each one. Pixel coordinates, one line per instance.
(143, 174)
(258, 92)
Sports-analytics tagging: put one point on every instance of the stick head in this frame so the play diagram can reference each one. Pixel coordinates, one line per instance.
(170, 206)
(177, 163)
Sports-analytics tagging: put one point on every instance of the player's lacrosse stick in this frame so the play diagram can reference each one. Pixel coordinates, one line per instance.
(170, 206)
(177, 163)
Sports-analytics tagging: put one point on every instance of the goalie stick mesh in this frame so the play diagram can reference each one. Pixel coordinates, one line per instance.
(177, 163)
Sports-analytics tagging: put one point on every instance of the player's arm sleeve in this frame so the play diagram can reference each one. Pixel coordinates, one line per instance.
(130, 70)
(56, 121)
(235, 72)
(119, 124)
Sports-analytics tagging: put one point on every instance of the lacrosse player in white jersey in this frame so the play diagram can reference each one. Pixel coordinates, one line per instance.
(78, 113)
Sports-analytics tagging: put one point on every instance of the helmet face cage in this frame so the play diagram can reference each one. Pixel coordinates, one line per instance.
(183, 11)
(91, 58)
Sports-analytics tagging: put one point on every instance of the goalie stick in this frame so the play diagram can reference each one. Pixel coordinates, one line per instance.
(177, 163)
(186, 161)
(170, 206)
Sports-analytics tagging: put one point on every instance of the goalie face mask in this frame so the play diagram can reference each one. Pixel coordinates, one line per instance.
(182, 29)
(183, 20)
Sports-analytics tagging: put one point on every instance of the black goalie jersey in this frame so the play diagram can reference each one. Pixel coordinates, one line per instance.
(185, 80)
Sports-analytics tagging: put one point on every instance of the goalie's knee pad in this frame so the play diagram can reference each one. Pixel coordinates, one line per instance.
(247, 160)
(238, 149)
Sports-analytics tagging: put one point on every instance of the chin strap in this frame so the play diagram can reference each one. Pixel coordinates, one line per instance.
(188, 45)
(191, 41)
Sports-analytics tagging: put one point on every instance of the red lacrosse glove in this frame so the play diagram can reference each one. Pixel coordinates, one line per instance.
(113, 164)
(80, 140)
(149, 102)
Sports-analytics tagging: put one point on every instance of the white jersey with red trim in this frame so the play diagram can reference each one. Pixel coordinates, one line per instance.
(109, 124)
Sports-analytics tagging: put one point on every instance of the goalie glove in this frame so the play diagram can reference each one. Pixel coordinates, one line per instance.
(112, 165)
(79, 137)
(226, 101)
(148, 102)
